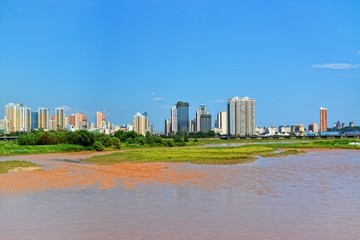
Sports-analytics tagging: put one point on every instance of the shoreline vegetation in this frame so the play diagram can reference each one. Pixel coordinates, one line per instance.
(18, 166)
(213, 151)
(194, 155)
(150, 148)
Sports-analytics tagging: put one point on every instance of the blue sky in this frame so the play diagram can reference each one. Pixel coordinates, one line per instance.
(129, 56)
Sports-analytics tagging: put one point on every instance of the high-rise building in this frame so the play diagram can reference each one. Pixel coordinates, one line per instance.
(43, 118)
(241, 116)
(313, 127)
(72, 118)
(17, 118)
(205, 123)
(167, 130)
(182, 109)
(221, 123)
(323, 120)
(141, 123)
(173, 120)
(192, 124)
(100, 119)
(202, 112)
(59, 118)
(80, 121)
(34, 120)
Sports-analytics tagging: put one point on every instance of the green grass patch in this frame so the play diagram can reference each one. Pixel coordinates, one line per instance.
(326, 144)
(196, 155)
(282, 153)
(7, 166)
(12, 148)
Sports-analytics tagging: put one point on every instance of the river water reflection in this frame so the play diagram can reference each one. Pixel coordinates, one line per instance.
(314, 196)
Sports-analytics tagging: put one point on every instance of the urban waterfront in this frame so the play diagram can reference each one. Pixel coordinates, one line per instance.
(311, 196)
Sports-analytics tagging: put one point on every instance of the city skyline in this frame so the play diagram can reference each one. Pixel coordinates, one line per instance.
(238, 120)
(122, 57)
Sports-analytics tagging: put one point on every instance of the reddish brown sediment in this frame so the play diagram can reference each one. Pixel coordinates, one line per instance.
(80, 176)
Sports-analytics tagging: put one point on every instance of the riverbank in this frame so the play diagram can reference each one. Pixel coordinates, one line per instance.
(12, 148)
(17, 166)
(66, 170)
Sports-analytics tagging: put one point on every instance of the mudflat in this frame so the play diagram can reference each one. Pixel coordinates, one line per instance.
(67, 171)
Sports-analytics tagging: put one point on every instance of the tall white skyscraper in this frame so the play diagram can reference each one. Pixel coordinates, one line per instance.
(173, 120)
(241, 116)
(222, 123)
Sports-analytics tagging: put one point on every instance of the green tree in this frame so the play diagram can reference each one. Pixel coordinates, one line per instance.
(115, 143)
(98, 146)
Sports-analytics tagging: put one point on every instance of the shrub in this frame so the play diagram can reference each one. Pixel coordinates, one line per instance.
(98, 146)
(115, 143)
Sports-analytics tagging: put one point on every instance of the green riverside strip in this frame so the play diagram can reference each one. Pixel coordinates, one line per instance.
(195, 155)
(220, 155)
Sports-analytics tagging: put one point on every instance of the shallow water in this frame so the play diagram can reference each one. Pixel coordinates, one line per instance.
(315, 196)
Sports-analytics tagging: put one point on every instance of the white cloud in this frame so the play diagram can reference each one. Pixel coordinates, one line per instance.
(359, 52)
(157, 98)
(166, 106)
(219, 101)
(69, 109)
(335, 66)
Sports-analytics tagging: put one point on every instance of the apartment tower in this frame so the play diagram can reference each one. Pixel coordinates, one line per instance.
(59, 118)
(100, 119)
(241, 116)
(43, 118)
(141, 123)
(323, 119)
(182, 109)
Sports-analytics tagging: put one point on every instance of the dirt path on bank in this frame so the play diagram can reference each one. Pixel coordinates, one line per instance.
(65, 170)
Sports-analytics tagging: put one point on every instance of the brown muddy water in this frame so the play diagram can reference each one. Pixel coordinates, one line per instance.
(314, 196)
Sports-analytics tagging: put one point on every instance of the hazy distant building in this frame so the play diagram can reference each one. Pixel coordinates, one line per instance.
(323, 120)
(182, 109)
(221, 123)
(59, 118)
(17, 118)
(71, 120)
(43, 118)
(173, 120)
(313, 127)
(241, 116)
(2, 125)
(100, 119)
(141, 123)
(202, 116)
(338, 125)
(300, 129)
(285, 129)
(205, 123)
(272, 131)
(167, 127)
(351, 124)
(192, 124)
(80, 121)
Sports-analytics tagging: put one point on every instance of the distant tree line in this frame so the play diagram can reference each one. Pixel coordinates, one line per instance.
(99, 141)
(84, 138)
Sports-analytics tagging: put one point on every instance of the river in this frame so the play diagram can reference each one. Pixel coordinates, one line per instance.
(311, 196)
